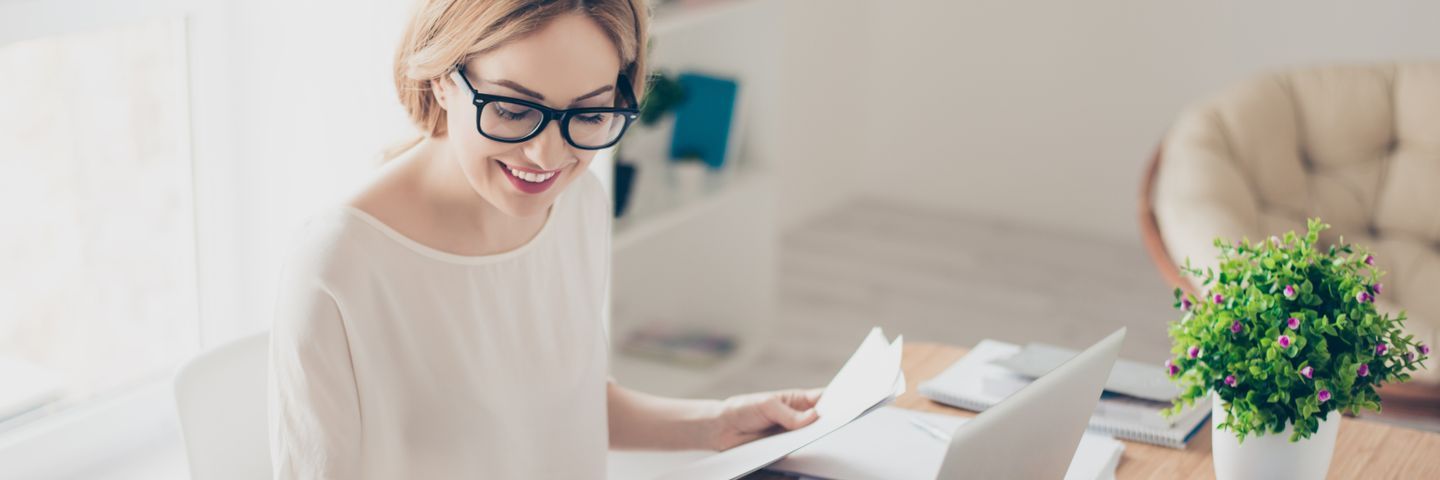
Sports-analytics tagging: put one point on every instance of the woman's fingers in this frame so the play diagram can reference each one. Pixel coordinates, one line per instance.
(780, 409)
(812, 397)
(802, 399)
(758, 415)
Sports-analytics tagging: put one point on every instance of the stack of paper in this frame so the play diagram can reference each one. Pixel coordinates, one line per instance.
(869, 379)
(979, 380)
(895, 443)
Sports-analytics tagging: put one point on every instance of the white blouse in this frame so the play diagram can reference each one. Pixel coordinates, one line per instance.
(393, 360)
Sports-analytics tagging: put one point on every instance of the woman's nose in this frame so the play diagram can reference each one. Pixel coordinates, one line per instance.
(548, 150)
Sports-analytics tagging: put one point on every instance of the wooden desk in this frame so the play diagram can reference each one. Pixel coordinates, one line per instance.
(1363, 450)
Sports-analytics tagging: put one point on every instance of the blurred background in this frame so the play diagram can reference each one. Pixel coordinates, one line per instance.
(948, 170)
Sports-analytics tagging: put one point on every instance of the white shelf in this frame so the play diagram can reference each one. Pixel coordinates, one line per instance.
(646, 222)
(684, 14)
(707, 258)
(660, 378)
(707, 262)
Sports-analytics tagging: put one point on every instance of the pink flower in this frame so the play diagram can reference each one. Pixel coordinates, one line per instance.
(1363, 370)
(1185, 304)
(1194, 352)
(1290, 291)
(1364, 297)
(1409, 356)
(1219, 299)
(1381, 348)
(1378, 288)
(1370, 260)
(1307, 372)
(1172, 368)
(1424, 349)
(1230, 380)
(1283, 341)
(1323, 395)
(1236, 327)
(1275, 240)
(1293, 323)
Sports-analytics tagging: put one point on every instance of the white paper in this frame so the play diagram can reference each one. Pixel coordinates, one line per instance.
(867, 379)
(886, 444)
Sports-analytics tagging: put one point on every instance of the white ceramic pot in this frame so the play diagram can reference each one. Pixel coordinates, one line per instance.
(1271, 456)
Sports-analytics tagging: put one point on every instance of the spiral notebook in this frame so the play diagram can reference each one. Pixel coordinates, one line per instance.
(976, 383)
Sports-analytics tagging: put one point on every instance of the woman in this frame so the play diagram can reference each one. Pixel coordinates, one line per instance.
(445, 320)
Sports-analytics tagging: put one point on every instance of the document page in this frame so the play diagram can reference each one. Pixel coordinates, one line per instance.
(868, 379)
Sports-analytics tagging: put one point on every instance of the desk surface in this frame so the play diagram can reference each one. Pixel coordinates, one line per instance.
(1363, 450)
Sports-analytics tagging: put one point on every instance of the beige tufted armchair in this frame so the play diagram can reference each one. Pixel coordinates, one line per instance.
(1358, 146)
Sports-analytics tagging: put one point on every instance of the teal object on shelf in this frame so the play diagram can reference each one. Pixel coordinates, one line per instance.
(702, 120)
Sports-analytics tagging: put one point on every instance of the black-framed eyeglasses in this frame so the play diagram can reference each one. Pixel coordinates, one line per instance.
(514, 120)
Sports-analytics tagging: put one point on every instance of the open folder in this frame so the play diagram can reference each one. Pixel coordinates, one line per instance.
(871, 378)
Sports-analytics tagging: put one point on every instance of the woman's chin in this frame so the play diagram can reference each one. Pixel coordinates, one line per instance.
(522, 205)
(526, 208)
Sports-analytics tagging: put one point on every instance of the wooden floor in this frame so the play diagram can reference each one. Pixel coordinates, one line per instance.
(946, 277)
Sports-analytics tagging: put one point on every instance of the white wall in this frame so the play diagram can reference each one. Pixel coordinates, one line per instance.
(1045, 111)
(824, 96)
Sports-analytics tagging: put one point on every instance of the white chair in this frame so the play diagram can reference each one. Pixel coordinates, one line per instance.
(220, 395)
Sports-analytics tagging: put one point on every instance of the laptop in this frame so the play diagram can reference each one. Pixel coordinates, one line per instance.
(1033, 433)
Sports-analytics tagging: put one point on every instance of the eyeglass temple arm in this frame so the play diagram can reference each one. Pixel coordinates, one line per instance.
(457, 75)
(627, 92)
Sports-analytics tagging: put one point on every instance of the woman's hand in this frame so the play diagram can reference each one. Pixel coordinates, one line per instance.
(743, 418)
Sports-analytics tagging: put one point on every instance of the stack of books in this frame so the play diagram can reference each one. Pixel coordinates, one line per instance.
(686, 345)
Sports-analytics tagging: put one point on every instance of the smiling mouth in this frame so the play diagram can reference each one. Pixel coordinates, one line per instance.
(532, 176)
(528, 180)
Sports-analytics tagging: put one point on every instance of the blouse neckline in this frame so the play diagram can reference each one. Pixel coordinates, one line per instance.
(456, 258)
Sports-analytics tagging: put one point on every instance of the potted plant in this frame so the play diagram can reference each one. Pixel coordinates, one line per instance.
(661, 97)
(1284, 338)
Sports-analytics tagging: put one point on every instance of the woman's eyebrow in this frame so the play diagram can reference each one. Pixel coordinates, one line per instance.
(593, 93)
(537, 96)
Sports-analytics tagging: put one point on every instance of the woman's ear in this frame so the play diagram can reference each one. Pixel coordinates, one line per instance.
(441, 89)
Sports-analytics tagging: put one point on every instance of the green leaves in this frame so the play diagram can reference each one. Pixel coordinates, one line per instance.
(1337, 332)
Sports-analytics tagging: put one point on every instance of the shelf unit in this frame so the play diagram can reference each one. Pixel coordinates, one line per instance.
(707, 259)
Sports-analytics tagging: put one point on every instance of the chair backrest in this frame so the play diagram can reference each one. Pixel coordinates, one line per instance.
(220, 395)
(1352, 144)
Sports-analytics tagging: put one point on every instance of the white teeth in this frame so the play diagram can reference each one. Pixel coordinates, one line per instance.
(531, 177)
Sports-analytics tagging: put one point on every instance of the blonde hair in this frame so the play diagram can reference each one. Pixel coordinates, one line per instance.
(445, 33)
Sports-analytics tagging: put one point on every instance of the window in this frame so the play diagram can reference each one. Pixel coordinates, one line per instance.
(97, 236)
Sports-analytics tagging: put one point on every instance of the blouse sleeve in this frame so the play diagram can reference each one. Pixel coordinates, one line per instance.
(314, 406)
